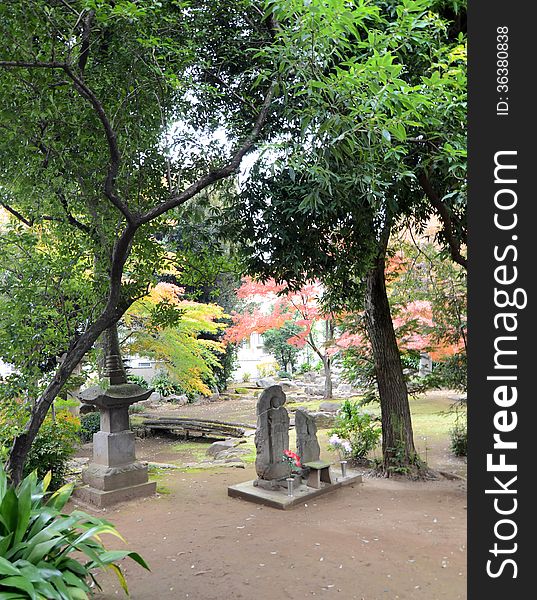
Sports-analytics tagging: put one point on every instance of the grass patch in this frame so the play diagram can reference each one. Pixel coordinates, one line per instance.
(431, 416)
(191, 451)
(311, 405)
(156, 473)
(249, 445)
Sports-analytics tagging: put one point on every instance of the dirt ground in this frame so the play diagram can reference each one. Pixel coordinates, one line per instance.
(382, 539)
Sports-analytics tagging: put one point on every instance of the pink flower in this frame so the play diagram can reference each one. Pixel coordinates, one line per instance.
(293, 457)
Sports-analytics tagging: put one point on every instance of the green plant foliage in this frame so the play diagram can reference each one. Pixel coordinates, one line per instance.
(228, 360)
(459, 439)
(41, 549)
(53, 446)
(358, 368)
(452, 372)
(399, 462)
(162, 384)
(187, 345)
(305, 367)
(138, 379)
(276, 341)
(44, 295)
(112, 114)
(90, 423)
(377, 107)
(284, 375)
(359, 428)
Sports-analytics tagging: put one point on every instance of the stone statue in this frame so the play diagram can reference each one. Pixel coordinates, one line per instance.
(307, 446)
(272, 435)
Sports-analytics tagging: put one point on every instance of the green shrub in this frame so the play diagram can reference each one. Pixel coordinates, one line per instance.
(37, 544)
(459, 439)
(360, 429)
(138, 379)
(90, 423)
(12, 419)
(284, 375)
(162, 384)
(305, 368)
(65, 403)
(453, 372)
(228, 361)
(246, 377)
(53, 446)
(410, 359)
(359, 371)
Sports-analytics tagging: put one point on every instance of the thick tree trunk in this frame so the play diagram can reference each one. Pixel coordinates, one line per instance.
(23, 442)
(105, 325)
(397, 436)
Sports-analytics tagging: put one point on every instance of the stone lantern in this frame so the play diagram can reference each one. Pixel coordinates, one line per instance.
(114, 475)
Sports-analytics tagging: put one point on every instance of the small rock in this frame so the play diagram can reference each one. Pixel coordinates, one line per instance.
(288, 385)
(324, 420)
(217, 447)
(177, 399)
(266, 382)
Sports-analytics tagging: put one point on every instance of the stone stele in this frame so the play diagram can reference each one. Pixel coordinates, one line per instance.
(307, 446)
(272, 435)
(114, 475)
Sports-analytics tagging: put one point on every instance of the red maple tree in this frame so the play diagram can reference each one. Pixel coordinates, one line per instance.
(269, 305)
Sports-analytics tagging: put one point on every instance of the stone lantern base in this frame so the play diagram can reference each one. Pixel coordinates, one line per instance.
(106, 486)
(114, 475)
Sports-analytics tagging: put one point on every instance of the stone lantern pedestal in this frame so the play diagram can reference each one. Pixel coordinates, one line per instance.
(114, 475)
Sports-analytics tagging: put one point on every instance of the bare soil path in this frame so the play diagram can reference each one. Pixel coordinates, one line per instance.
(384, 539)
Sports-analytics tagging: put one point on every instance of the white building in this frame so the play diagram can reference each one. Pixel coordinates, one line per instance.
(141, 365)
(253, 360)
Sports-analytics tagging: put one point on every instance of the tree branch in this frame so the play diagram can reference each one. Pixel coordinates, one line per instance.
(18, 64)
(84, 50)
(242, 100)
(445, 217)
(72, 220)
(17, 215)
(111, 137)
(217, 174)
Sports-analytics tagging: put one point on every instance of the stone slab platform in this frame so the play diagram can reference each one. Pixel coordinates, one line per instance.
(280, 499)
(103, 499)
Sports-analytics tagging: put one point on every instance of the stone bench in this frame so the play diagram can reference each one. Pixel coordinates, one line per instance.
(319, 471)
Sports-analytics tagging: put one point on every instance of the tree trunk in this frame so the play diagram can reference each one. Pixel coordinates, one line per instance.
(397, 437)
(329, 331)
(327, 377)
(23, 442)
(112, 312)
